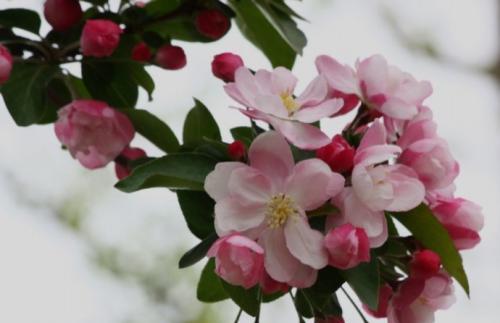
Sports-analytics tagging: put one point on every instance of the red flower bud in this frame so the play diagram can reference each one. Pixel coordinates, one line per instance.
(5, 64)
(212, 23)
(425, 263)
(224, 65)
(338, 154)
(100, 37)
(171, 57)
(122, 170)
(236, 150)
(141, 52)
(62, 14)
(271, 286)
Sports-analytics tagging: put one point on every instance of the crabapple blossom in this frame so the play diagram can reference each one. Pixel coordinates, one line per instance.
(122, 167)
(347, 246)
(62, 14)
(225, 65)
(171, 57)
(380, 86)
(269, 96)
(238, 260)
(267, 201)
(100, 37)
(462, 218)
(93, 132)
(212, 23)
(417, 300)
(384, 295)
(6, 62)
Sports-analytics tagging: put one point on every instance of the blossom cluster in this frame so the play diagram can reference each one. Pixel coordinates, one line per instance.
(389, 159)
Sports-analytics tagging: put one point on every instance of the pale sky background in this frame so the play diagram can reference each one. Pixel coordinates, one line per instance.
(46, 270)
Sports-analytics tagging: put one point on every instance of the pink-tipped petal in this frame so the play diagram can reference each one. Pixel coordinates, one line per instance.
(409, 192)
(250, 186)
(271, 104)
(279, 262)
(399, 109)
(340, 77)
(302, 135)
(315, 92)
(375, 135)
(316, 113)
(283, 81)
(233, 215)
(216, 183)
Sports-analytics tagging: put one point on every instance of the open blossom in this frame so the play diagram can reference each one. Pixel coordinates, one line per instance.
(93, 132)
(417, 300)
(383, 87)
(100, 37)
(6, 62)
(269, 96)
(238, 260)
(347, 246)
(384, 295)
(462, 218)
(267, 201)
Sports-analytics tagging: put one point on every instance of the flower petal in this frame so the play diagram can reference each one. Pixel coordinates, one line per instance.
(233, 215)
(303, 277)
(216, 183)
(376, 154)
(323, 110)
(245, 82)
(375, 135)
(315, 92)
(302, 135)
(399, 109)
(271, 104)
(250, 186)
(279, 262)
(340, 77)
(409, 192)
(283, 81)
(232, 90)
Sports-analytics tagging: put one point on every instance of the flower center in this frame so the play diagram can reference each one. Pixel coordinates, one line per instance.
(279, 209)
(289, 102)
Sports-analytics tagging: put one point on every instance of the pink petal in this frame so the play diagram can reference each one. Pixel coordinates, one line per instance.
(409, 192)
(283, 81)
(271, 104)
(414, 92)
(250, 186)
(279, 262)
(245, 82)
(315, 92)
(376, 154)
(304, 243)
(340, 77)
(375, 135)
(322, 183)
(232, 90)
(304, 277)
(373, 73)
(271, 154)
(399, 109)
(323, 110)
(233, 215)
(302, 135)
(216, 183)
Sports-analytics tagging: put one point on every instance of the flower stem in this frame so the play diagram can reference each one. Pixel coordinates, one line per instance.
(238, 316)
(355, 306)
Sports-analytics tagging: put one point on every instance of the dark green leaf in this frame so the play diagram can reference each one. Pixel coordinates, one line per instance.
(213, 148)
(161, 7)
(302, 304)
(210, 288)
(430, 232)
(79, 87)
(365, 281)
(25, 93)
(153, 129)
(180, 28)
(267, 298)
(198, 210)
(200, 124)
(186, 171)
(244, 134)
(257, 28)
(198, 252)
(142, 78)
(247, 299)
(20, 18)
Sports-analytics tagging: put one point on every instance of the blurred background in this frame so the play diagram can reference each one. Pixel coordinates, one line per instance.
(75, 250)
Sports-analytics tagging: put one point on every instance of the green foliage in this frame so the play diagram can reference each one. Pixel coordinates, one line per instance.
(200, 124)
(365, 281)
(20, 18)
(198, 210)
(210, 289)
(198, 252)
(247, 299)
(430, 232)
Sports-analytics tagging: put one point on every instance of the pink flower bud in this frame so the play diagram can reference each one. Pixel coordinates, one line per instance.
(236, 150)
(62, 14)
(271, 286)
(225, 65)
(330, 319)
(171, 57)
(425, 264)
(212, 23)
(385, 294)
(93, 132)
(462, 218)
(100, 37)
(141, 52)
(122, 167)
(338, 154)
(347, 246)
(238, 260)
(6, 63)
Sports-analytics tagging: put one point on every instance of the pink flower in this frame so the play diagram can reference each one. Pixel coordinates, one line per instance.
(100, 37)
(393, 93)
(93, 132)
(238, 260)
(268, 201)
(462, 218)
(268, 96)
(225, 65)
(338, 154)
(418, 299)
(122, 167)
(347, 246)
(141, 52)
(6, 63)
(171, 57)
(62, 14)
(212, 23)
(385, 294)
(236, 150)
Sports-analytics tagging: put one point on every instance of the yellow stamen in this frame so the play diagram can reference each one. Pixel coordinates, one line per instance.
(279, 209)
(289, 102)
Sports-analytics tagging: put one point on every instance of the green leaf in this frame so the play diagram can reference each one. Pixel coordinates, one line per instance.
(257, 28)
(200, 124)
(244, 134)
(180, 28)
(110, 82)
(198, 210)
(161, 7)
(25, 93)
(198, 252)
(153, 129)
(247, 299)
(302, 304)
(432, 235)
(142, 78)
(20, 18)
(186, 171)
(210, 289)
(365, 281)
(321, 295)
